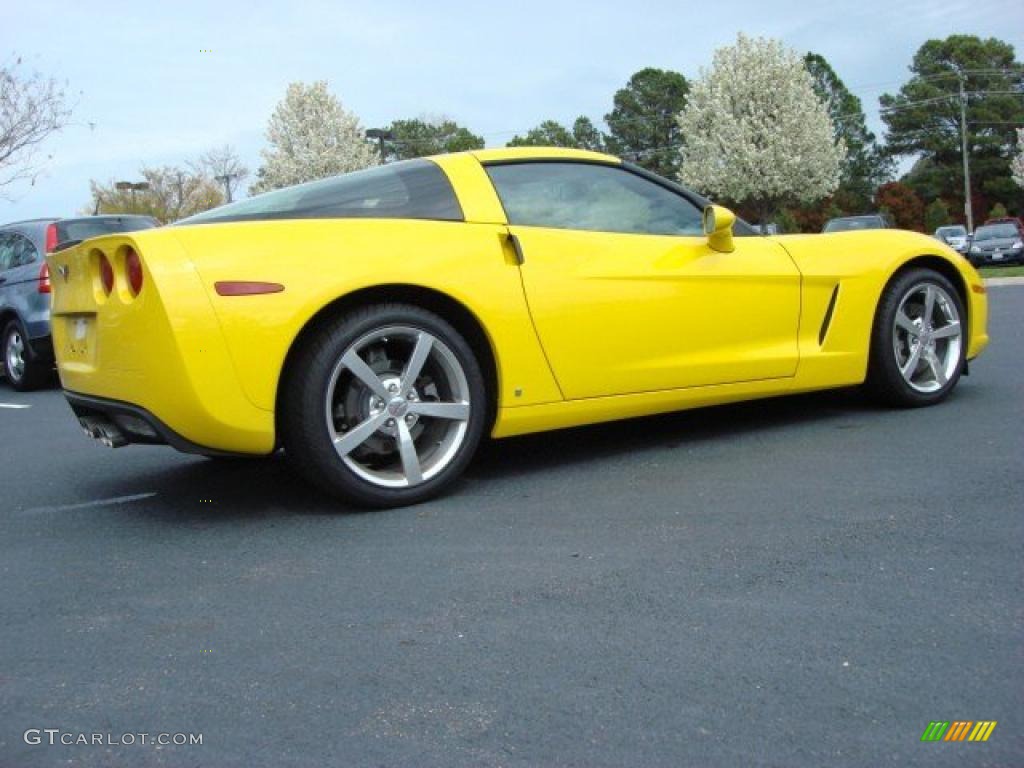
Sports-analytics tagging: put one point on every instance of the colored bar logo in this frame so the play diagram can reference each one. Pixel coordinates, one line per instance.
(958, 730)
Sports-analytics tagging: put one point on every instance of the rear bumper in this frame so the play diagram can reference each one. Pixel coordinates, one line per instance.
(135, 424)
(161, 352)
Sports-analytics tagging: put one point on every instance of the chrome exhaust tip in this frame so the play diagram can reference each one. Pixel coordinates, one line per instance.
(106, 432)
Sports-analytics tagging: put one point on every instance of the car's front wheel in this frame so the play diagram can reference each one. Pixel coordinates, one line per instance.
(23, 372)
(919, 340)
(384, 406)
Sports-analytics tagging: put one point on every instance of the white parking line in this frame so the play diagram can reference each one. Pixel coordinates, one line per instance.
(87, 504)
(14, 405)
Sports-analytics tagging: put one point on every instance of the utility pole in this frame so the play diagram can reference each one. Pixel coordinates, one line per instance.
(968, 207)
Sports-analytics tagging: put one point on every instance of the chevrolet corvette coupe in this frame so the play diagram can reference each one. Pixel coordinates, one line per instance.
(377, 324)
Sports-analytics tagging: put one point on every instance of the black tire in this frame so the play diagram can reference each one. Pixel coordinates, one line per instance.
(302, 418)
(885, 383)
(35, 373)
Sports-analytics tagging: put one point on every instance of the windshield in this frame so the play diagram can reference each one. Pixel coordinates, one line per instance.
(951, 232)
(859, 222)
(996, 231)
(412, 189)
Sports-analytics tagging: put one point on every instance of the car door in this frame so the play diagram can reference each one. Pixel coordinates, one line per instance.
(625, 293)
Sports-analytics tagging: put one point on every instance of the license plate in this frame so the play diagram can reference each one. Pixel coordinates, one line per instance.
(997, 256)
(77, 343)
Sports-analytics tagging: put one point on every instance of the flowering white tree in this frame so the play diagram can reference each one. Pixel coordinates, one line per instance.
(1017, 162)
(754, 131)
(311, 136)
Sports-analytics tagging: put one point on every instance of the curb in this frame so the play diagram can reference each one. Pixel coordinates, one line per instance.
(998, 281)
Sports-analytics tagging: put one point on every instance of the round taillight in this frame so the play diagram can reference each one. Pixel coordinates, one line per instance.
(133, 270)
(106, 274)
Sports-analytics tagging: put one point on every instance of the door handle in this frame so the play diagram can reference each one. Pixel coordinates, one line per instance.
(517, 247)
(3, 280)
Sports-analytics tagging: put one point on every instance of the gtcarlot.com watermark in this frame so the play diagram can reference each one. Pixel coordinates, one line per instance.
(55, 736)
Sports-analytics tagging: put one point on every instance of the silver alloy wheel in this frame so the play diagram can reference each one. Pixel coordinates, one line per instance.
(15, 355)
(397, 406)
(927, 337)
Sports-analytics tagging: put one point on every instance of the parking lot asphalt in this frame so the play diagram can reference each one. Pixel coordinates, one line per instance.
(804, 581)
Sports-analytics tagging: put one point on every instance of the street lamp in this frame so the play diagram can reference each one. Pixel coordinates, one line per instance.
(381, 135)
(137, 186)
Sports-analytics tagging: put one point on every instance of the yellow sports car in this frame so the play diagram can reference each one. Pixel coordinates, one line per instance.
(375, 325)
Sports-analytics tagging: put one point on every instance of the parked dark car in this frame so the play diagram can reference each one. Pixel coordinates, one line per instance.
(997, 244)
(25, 340)
(852, 223)
(1008, 220)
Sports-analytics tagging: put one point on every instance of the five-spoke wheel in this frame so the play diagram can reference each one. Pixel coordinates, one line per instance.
(917, 351)
(384, 406)
(927, 337)
(397, 406)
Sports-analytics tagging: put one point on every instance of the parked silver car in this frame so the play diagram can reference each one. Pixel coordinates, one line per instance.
(953, 235)
(25, 340)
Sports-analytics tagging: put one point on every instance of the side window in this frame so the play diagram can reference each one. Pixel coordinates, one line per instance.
(593, 197)
(24, 252)
(6, 251)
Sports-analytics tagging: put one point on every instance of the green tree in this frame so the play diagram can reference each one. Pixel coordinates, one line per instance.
(998, 212)
(786, 222)
(587, 136)
(419, 137)
(924, 117)
(551, 133)
(642, 124)
(936, 215)
(866, 166)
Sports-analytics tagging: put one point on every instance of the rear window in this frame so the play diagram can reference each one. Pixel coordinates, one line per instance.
(83, 229)
(411, 189)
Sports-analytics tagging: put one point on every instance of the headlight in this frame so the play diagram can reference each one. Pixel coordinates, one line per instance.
(975, 249)
(1017, 244)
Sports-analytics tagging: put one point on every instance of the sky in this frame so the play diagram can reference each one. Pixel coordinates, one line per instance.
(147, 93)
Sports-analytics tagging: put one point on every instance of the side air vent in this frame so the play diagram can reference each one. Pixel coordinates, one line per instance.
(828, 315)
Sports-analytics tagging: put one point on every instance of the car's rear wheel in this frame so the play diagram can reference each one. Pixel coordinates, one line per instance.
(384, 406)
(918, 341)
(23, 372)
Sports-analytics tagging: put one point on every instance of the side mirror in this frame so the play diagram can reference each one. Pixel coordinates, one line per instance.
(718, 223)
